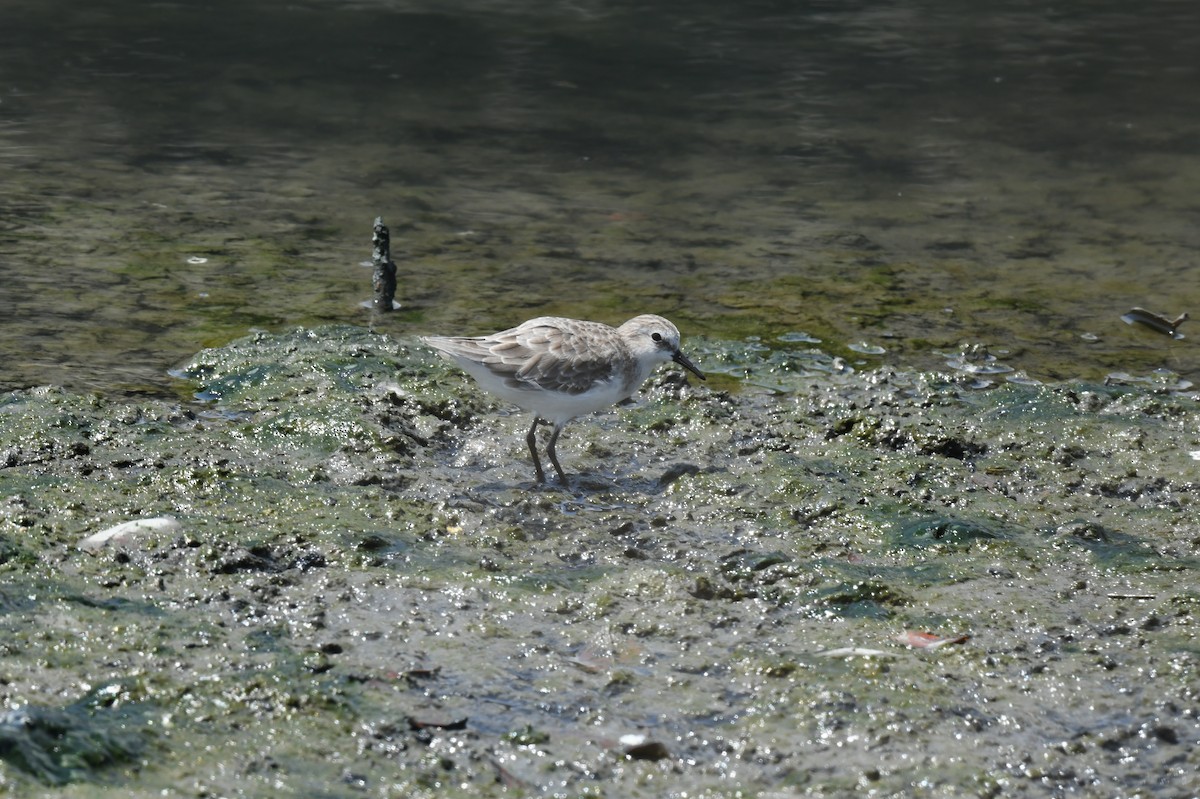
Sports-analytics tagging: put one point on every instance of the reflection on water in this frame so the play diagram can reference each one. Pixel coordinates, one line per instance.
(1014, 176)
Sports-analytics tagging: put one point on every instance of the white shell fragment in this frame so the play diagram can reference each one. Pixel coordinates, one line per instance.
(127, 532)
(854, 652)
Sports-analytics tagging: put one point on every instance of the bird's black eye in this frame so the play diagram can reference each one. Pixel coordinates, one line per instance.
(656, 336)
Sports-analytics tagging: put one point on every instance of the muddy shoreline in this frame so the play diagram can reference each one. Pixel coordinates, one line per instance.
(366, 596)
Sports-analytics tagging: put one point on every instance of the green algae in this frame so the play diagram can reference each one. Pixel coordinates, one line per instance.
(943, 533)
(363, 557)
(79, 741)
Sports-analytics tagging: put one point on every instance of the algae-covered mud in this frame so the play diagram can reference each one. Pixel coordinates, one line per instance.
(346, 584)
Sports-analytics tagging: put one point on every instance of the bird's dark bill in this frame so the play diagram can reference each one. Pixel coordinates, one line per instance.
(683, 361)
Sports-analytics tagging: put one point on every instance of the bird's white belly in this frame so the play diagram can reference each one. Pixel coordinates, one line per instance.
(558, 407)
(553, 406)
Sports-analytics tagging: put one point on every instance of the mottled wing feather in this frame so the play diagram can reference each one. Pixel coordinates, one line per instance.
(552, 360)
(536, 356)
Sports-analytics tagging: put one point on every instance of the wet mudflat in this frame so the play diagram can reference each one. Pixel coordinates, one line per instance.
(362, 593)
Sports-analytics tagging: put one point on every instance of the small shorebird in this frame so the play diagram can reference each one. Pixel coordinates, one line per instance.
(558, 368)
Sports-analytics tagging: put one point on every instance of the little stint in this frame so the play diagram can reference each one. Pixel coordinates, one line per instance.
(558, 368)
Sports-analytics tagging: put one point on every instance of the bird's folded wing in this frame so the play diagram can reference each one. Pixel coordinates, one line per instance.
(544, 358)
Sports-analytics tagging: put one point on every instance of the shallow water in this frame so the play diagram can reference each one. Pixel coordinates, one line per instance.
(906, 175)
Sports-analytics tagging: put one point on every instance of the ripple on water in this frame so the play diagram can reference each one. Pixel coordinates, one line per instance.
(863, 348)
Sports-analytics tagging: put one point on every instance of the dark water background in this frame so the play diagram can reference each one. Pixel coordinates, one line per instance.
(914, 175)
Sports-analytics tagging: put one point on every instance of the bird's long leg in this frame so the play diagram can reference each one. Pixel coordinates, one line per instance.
(553, 456)
(531, 440)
